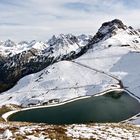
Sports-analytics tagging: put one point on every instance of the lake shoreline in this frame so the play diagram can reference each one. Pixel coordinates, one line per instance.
(8, 114)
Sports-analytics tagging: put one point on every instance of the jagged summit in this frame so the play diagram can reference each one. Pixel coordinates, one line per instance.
(23, 43)
(112, 25)
(9, 43)
(66, 40)
(111, 28)
(62, 40)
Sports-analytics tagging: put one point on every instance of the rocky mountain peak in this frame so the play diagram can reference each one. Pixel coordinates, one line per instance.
(62, 39)
(108, 29)
(23, 43)
(116, 23)
(111, 27)
(9, 43)
(52, 41)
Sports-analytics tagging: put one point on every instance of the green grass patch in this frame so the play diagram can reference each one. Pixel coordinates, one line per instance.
(3, 110)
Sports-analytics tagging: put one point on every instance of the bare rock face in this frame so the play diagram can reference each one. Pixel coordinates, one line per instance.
(108, 29)
(114, 24)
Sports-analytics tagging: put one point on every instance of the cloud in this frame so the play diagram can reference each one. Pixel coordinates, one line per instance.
(135, 4)
(40, 19)
(9, 2)
(78, 6)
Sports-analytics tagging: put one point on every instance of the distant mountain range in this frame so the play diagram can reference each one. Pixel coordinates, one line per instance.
(20, 59)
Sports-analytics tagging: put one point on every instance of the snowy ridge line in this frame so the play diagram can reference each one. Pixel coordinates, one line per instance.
(100, 71)
(6, 115)
(12, 48)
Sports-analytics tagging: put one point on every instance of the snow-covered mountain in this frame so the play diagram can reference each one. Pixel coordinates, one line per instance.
(111, 56)
(59, 43)
(19, 59)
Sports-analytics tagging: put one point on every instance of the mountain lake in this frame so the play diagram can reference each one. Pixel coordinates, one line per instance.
(111, 107)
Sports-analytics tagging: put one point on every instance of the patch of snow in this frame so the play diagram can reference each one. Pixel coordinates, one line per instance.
(100, 132)
(7, 134)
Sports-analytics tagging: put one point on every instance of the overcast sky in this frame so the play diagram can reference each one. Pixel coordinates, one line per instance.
(40, 19)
